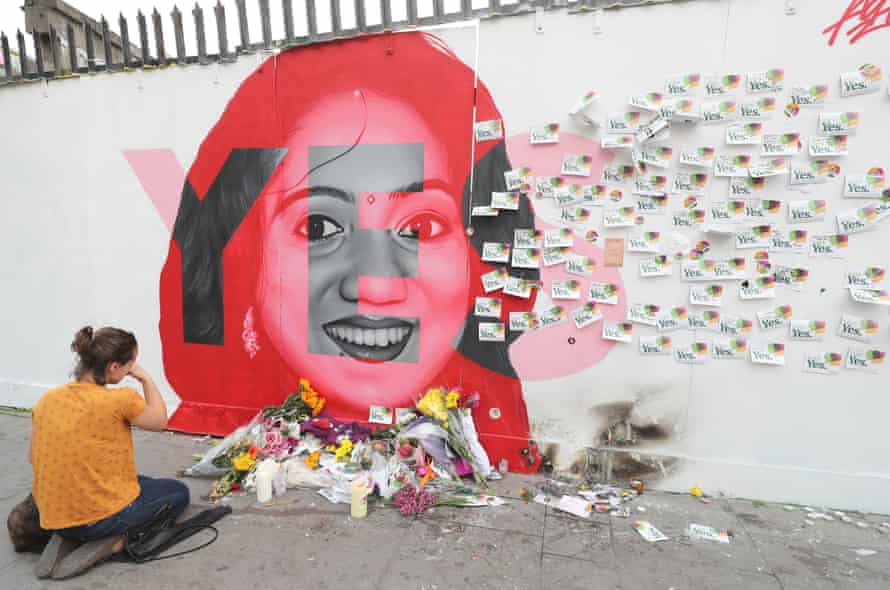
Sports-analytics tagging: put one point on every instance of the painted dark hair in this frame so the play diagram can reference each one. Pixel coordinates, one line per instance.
(96, 350)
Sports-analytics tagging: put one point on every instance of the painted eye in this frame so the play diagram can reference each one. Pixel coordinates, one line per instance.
(317, 228)
(423, 226)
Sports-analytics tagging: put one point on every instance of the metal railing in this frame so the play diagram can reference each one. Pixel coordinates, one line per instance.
(120, 44)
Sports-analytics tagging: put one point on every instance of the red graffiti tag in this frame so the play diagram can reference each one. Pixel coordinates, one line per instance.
(866, 16)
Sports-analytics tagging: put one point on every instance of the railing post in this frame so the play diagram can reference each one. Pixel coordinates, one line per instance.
(266, 20)
(311, 20)
(7, 63)
(143, 38)
(23, 54)
(159, 38)
(38, 53)
(178, 35)
(220, 12)
(91, 49)
(386, 14)
(106, 44)
(242, 26)
(125, 41)
(287, 12)
(198, 15)
(336, 26)
(72, 48)
(56, 51)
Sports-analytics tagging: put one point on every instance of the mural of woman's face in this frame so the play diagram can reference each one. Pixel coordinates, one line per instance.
(364, 284)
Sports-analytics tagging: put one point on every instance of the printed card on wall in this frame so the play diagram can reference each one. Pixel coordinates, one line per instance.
(489, 130)
(580, 265)
(548, 133)
(575, 214)
(865, 186)
(551, 316)
(723, 84)
(672, 319)
(650, 184)
(487, 307)
(735, 326)
(651, 101)
(623, 122)
(657, 156)
(604, 293)
(491, 332)
(558, 238)
(484, 211)
(768, 353)
(690, 183)
(856, 220)
(617, 142)
(719, 111)
(865, 80)
(495, 252)
(710, 295)
(775, 318)
(845, 123)
(788, 240)
(766, 81)
(757, 236)
(744, 134)
(857, 328)
(759, 109)
(657, 266)
(730, 269)
(508, 201)
(570, 289)
(655, 345)
(809, 95)
(828, 145)
(793, 277)
(618, 331)
(568, 194)
(576, 164)
(870, 277)
(736, 166)
(494, 280)
(681, 109)
(766, 167)
(812, 172)
(616, 174)
(697, 352)
(705, 319)
(518, 287)
(554, 256)
(648, 241)
(865, 359)
(619, 217)
(698, 270)
(586, 315)
(546, 186)
(870, 296)
(682, 84)
(833, 246)
(651, 205)
(596, 194)
(688, 217)
(526, 258)
(522, 321)
(759, 288)
(527, 238)
(730, 349)
(380, 415)
(807, 210)
(702, 157)
(781, 144)
(643, 313)
(657, 129)
(519, 179)
(746, 187)
(807, 329)
(823, 362)
(726, 212)
(614, 252)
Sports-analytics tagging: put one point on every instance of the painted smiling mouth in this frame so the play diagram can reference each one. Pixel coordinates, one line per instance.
(370, 338)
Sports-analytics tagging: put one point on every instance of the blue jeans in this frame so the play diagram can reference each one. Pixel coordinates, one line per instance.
(155, 493)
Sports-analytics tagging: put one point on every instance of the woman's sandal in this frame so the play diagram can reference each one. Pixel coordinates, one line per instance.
(86, 556)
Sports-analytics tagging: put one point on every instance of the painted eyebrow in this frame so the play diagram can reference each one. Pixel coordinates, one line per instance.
(349, 197)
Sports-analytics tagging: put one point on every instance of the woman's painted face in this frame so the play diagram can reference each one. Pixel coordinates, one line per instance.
(364, 275)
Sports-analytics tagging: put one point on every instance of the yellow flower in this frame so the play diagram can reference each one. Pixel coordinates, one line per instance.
(319, 405)
(304, 384)
(345, 449)
(243, 462)
(452, 399)
(312, 460)
(432, 404)
(331, 448)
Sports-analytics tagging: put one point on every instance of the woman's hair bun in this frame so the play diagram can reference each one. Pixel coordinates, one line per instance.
(82, 341)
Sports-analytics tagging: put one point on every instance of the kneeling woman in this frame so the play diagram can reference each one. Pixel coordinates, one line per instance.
(85, 482)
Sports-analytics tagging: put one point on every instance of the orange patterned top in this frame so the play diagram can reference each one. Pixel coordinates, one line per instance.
(82, 453)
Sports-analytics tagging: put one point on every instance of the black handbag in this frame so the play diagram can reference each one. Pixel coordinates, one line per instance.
(147, 542)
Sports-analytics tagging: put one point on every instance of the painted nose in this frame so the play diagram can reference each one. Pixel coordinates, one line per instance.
(378, 260)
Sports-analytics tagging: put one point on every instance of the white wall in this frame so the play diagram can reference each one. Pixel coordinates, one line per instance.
(82, 242)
